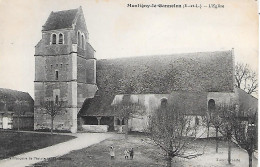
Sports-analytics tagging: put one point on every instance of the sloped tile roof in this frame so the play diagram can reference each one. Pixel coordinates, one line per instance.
(206, 71)
(189, 72)
(60, 20)
(98, 106)
(10, 97)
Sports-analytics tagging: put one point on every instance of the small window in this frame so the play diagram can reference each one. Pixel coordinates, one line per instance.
(60, 38)
(54, 38)
(57, 75)
(79, 39)
(83, 42)
(56, 99)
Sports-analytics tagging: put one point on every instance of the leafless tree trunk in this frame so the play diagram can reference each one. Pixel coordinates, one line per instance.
(250, 154)
(169, 161)
(229, 148)
(52, 120)
(53, 109)
(126, 128)
(171, 130)
(217, 139)
(127, 109)
(207, 131)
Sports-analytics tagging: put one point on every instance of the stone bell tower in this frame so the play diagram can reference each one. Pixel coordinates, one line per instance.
(65, 69)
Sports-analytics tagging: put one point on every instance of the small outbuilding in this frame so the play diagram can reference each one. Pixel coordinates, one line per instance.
(16, 109)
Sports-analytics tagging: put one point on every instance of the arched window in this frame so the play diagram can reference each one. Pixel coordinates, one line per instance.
(164, 102)
(60, 38)
(211, 105)
(79, 39)
(54, 39)
(83, 41)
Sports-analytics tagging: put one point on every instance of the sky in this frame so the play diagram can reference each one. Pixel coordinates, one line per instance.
(119, 31)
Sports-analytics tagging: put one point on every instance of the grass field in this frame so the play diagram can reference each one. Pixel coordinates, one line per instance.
(14, 143)
(148, 155)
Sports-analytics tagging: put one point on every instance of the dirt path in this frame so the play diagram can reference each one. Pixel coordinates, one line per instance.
(26, 159)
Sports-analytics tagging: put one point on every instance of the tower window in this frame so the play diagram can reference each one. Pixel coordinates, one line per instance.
(60, 38)
(79, 39)
(56, 75)
(56, 99)
(83, 42)
(54, 38)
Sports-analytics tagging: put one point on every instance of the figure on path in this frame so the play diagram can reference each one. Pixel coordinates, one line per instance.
(112, 152)
(126, 152)
(132, 153)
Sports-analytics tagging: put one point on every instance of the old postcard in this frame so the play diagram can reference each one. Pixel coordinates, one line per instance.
(129, 83)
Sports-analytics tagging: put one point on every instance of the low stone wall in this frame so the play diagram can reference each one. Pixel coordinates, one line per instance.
(25, 122)
(95, 128)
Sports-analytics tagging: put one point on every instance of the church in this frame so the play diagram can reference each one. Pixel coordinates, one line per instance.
(67, 70)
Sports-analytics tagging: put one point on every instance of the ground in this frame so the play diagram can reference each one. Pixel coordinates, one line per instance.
(13, 143)
(81, 141)
(148, 155)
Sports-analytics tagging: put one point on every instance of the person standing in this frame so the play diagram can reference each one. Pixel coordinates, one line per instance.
(112, 152)
(132, 153)
(126, 152)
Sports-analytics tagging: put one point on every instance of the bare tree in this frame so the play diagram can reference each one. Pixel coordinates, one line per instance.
(52, 108)
(245, 133)
(216, 120)
(127, 109)
(206, 122)
(226, 128)
(172, 131)
(246, 78)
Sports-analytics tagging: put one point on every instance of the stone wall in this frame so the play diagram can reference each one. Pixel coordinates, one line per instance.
(25, 122)
(223, 98)
(63, 121)
(95, 128)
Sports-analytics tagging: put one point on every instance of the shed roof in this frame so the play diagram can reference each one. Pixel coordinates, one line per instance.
(248, 103)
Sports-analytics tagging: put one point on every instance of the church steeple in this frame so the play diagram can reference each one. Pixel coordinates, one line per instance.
(65, 67)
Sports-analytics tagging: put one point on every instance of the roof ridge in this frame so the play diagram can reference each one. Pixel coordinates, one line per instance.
(64, 10)
(12, 90)
(164, 55)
